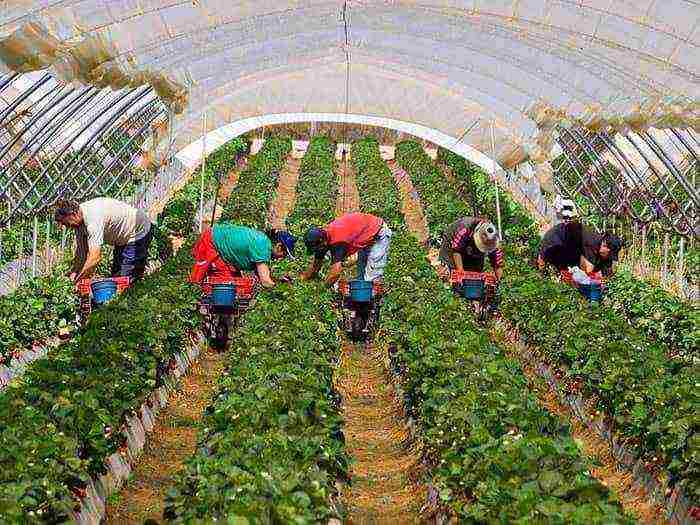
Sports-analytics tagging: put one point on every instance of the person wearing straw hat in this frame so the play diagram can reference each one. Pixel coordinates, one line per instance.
(226, 250)
(466, 243)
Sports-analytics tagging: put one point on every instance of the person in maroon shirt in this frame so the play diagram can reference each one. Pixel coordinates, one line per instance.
(466, 243)
(360, 233)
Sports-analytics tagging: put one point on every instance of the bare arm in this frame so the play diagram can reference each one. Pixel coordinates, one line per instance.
(313, 269)
(264, 275)
(586, 265)
(334, 273)
(93, 259)
(457, 258)
(499, 273)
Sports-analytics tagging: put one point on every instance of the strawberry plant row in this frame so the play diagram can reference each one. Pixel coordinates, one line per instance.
(67, 415)
(87, 399)
(178, 216)
(271, 448)
(247, 205)
(32, 317)
(650, 402)
(493, 454)
(658, 314)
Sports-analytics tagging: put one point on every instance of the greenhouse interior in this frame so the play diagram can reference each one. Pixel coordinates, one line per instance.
(363, 262)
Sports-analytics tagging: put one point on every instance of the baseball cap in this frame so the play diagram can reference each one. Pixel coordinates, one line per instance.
(314, 237)
(486, 237)
(615, 244)
(568, 209)
(288, 241)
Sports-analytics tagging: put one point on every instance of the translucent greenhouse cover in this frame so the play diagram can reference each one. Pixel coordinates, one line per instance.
(500, 76)
(445, 65)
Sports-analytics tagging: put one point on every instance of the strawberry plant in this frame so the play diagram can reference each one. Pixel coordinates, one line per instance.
(494, 455)
(651, 400)
(35, 311)
(247, 205)
(658, 314)
(56, 424)
(271, 447)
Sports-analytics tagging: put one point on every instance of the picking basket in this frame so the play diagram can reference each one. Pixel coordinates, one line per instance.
(361, 291)
(103, 291)
(223, 294)
(470, 285)
(593, 292)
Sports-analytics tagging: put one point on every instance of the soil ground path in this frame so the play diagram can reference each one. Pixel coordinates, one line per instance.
(174, 436)
(385, 458)
(608, 472)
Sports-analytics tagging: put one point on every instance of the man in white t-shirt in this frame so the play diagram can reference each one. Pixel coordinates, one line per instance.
(106, 221)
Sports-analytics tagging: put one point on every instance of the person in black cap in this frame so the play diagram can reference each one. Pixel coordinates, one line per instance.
(571, 244)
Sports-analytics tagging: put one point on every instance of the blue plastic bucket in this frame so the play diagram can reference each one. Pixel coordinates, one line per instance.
(593, 292)
(103, 291)
(472, 289)
(361, 291)
(223, 294)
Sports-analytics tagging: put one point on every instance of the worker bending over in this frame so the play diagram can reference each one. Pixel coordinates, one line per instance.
(466, 243)
(360, 233)
(570, 244)
(226, 250)
(106, 221)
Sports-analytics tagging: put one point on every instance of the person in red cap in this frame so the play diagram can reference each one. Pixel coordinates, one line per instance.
(226, 250)
(467, 242)
(360, 233)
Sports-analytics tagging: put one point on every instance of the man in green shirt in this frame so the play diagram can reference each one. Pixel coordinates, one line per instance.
(228, 249)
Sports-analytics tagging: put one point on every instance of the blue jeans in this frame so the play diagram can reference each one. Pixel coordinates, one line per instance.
(130, 260)
(372, 260)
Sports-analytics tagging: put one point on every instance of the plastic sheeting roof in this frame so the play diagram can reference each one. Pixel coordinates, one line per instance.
(442, 64)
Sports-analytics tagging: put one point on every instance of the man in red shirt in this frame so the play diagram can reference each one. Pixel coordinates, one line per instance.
(360, 233)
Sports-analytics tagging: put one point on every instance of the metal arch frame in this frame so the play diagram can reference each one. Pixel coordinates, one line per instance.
(656, 190)
(48, 119)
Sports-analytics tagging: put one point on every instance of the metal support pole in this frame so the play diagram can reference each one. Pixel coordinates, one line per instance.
(493, 178)
(664, 275)
(35, 231)
(681, 265)
(201, 185)
(48, 261)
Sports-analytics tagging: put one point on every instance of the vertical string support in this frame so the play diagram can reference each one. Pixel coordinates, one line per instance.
(48, 264)
(681, 264)
(495, 183)
(204, 160)
(643, 261)
(35, 235)
(664, 271)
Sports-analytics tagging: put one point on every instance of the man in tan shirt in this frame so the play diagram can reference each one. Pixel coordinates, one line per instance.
(106, 221)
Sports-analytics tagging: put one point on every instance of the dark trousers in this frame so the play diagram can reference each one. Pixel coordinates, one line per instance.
(130, 260)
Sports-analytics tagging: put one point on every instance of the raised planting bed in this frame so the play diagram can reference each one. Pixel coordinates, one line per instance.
(492, 454)
(271, 447)
(69, 414)
(247, 205)
(650, 402)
